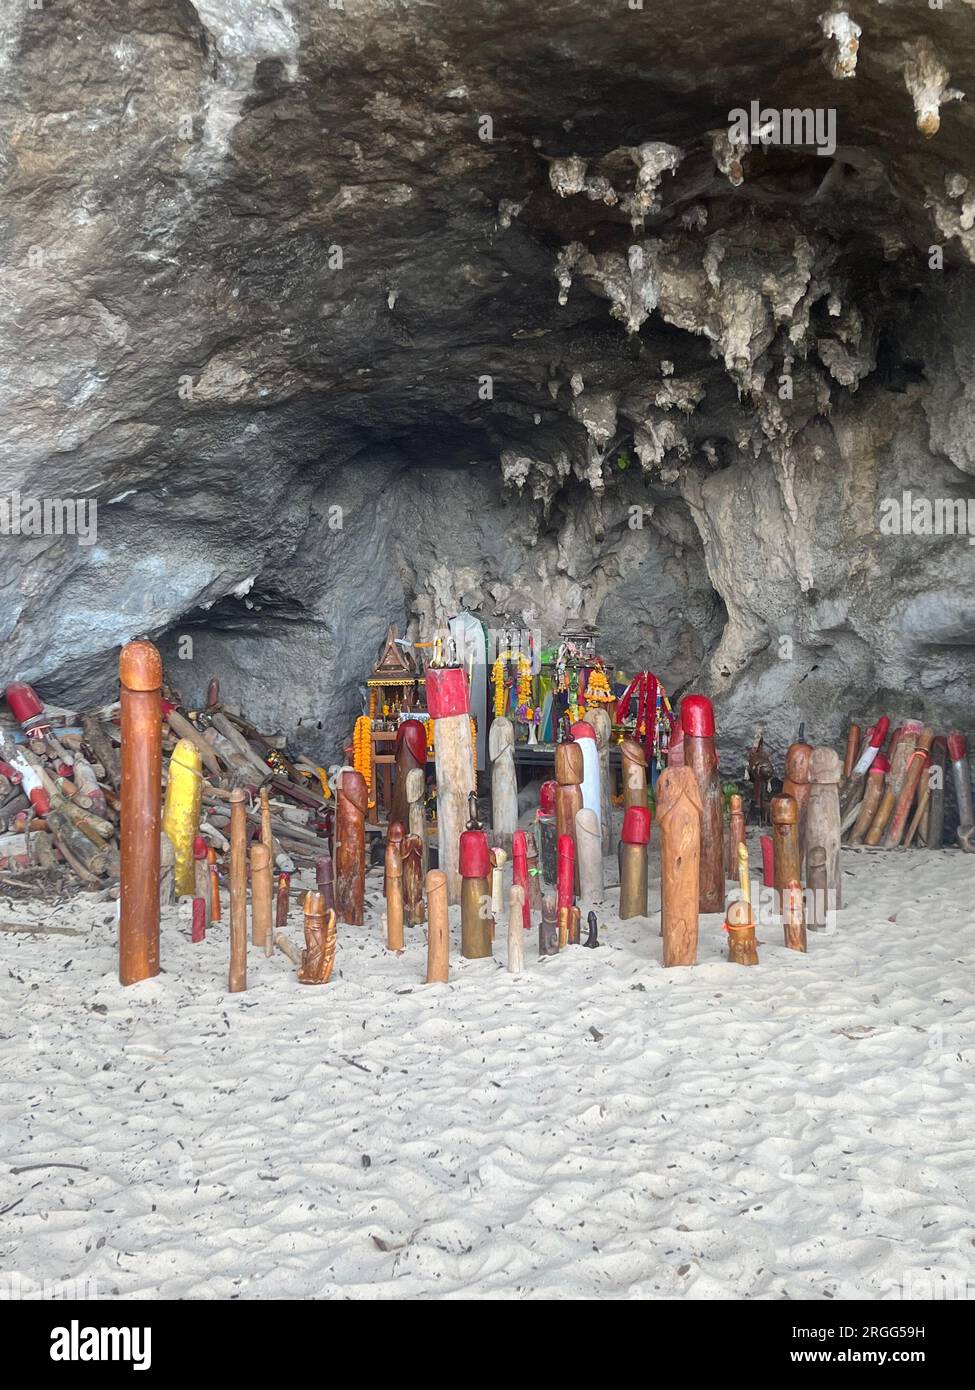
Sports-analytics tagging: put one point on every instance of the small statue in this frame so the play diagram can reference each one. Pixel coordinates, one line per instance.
(759, 772)
(318, 957)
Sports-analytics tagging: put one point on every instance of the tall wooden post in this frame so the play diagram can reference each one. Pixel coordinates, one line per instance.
(476, 921)
(568, 796)
(448, 703)
(634, 839)
(565, 882)
(852, 747)
(415, 783)
(697, 718)
(411, 756)
(934, 825)
(519, 872)
(785, 840)
(795, 783)
(736, 836)
(679, 811)
(634, 761)
(504, 783)
(603, 729)
(262, 894)
(394, 897)
(181, 811)
(516, 932)
(140, 674)
(350, 847)
(438, 930)
(214, 898)
(823, 816)
(237, 979)
(585, 735)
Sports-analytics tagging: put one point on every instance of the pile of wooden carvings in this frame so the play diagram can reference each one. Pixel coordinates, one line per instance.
(60, 778)
(893, 791)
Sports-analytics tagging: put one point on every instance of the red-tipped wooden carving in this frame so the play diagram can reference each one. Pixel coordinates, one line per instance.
(697, 717)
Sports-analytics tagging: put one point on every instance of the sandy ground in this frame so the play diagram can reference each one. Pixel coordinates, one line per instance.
(596, 1127)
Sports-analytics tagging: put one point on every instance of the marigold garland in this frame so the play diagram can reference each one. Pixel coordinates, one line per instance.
(362, 750)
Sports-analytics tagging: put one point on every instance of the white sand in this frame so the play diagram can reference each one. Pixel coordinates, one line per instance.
(596, 1127)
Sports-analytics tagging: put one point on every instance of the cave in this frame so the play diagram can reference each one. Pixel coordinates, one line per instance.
(495, 290)
(341, 315)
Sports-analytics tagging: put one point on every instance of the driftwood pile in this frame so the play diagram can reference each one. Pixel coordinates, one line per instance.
(60, 782)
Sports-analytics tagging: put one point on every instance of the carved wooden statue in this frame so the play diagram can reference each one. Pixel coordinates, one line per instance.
(697, 718)
(411, 756)
(759, 773)
(504, 784)
(633, 862)
(318, 957)
(548, 928)
(679, 812)
(584, 734)
(449, 706)
(476, 921)
(519, 873)
(823, 816)
(394, 896)
(237, 977)
(603, 729)
(411, 855)
(736, 836)
(416, 823)
(795, 783)
(350, 847)
(568, 797)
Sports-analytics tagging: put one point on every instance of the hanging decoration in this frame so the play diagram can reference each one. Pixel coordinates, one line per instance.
(362, 750)
(512, 671)
(654, 716)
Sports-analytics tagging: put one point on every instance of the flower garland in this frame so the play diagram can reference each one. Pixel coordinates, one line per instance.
(597, 688)
(362, 750)
(502, 687)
